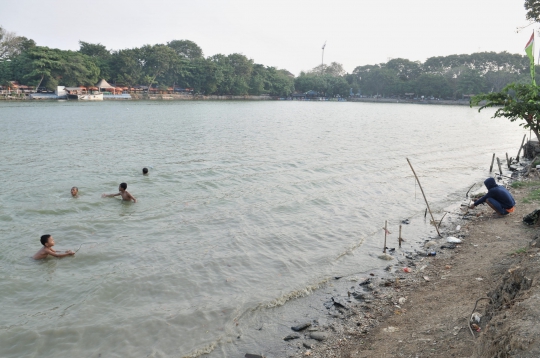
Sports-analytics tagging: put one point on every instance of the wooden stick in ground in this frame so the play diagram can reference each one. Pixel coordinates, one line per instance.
(507, 161)
(424, 195)
(441, 220)
(467, 194)
(400, 239)
(523, 141)
(499, 163)
(385, 231)
(492, 160)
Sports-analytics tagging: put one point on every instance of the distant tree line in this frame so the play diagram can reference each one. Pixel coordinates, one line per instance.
(181, 63)
(447, 77)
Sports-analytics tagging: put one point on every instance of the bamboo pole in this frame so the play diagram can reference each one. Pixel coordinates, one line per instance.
(424, 195)
(499, 164)
(441, 220)
(492, 160)
(523, 141)
(507, 161)
(385, 231)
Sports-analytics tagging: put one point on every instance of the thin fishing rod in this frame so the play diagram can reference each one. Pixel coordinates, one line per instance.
(84, 243)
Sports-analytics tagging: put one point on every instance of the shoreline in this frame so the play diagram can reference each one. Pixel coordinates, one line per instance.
(390, 312)
(194, 98)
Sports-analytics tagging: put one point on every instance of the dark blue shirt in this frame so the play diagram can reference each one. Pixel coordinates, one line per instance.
(498, 193)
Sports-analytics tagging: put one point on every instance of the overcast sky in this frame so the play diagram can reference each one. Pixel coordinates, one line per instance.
(285, 34)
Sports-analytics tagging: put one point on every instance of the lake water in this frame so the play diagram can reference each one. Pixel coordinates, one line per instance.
(247, 206)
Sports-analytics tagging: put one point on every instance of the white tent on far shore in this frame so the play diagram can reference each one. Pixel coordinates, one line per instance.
(103, 84)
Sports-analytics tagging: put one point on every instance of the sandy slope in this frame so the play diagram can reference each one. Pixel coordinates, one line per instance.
(404, 315)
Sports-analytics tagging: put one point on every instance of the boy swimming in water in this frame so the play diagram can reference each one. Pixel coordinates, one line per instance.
(48, 242)
(123, 193)
(145, 171)
(74, 192)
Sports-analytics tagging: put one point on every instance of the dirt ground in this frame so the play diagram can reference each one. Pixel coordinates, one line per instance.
(426, 313)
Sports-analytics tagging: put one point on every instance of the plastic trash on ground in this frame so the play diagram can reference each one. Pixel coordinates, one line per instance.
(453, 240)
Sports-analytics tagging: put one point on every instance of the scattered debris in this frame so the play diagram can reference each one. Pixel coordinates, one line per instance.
(290, 337)
(340, 303)
(318, 336)
(385, 257)
(367, 281)
(475, 317)
(300, 327)
(248, 355)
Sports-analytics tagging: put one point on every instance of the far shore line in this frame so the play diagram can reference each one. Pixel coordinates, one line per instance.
(179, 97)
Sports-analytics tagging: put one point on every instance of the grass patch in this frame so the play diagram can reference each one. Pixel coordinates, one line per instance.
(523, 250)
(533, 196)
(524, 184)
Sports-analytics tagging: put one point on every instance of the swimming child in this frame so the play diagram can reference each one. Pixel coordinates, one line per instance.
(145, 171)
(123, 193)
(74, 192)
(48, 242)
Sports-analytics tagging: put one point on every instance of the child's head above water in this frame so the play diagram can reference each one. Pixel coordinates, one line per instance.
(145, 171)
(123, 186)
(74, 191)
(47, 240)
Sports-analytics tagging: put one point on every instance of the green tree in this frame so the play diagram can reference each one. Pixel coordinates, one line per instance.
(38, 65)
(77, 69)
(12, 45)
(516, 102)
(99, 55)
(203, 76)
(380, 81)
(224, 72)
(470, 82)
(127, 67)
(428, 84)
(158, 60)
(533, 10)
(258, 80)
(497, 80)
(51, 67)
(94, 50)
(333, 69)
(186, 49)
(280, 82)
(336, 85)
(242, 69)
(406, 70)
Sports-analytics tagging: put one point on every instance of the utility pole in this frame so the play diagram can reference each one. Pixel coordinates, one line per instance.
(322, 60)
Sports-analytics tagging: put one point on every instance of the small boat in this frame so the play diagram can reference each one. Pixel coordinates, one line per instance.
(91, 97)
(81, 93)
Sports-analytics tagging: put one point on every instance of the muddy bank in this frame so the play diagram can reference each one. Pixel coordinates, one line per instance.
(426, 312)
